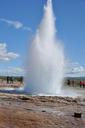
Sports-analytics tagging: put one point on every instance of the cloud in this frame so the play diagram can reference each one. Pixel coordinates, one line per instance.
(5, 55)
(75, 69)
(12, 71)
(15, 24)
(15, 71)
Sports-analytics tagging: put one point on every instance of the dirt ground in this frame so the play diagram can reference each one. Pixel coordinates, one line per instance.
(20, 111)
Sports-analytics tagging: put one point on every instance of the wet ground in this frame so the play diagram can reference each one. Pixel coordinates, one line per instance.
(22, 111)
(65, 91)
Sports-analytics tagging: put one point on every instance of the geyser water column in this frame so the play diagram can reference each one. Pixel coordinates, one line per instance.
(45, 65)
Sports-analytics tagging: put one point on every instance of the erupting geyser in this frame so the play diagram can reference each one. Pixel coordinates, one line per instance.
(45, 65)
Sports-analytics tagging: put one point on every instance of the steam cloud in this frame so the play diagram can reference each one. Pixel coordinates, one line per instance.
(45, 65)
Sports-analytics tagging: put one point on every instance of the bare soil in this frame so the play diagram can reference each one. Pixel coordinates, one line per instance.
(21, 111)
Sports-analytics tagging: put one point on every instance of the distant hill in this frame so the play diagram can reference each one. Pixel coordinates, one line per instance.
(75, 78)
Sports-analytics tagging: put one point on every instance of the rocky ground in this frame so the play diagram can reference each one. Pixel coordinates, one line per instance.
(20, 111)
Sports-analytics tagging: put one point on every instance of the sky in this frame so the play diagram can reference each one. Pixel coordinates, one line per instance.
(19, 20)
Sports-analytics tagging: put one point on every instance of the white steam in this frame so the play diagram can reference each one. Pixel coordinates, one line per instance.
(45, 66)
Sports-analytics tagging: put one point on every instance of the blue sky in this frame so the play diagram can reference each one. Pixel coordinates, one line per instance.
(19, 20)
